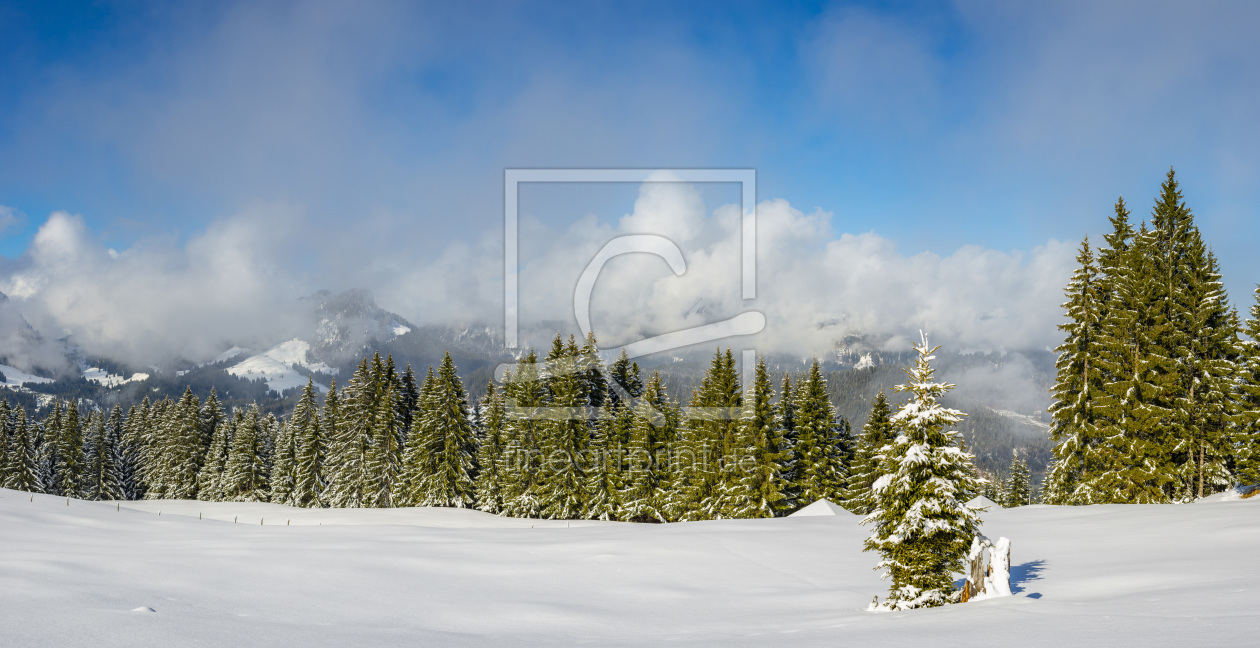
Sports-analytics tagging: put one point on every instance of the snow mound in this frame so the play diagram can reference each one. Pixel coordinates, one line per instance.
(984, 501)
(820, 508)
(145, 609)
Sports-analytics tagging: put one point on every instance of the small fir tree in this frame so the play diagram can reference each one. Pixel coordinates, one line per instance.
(921, 526)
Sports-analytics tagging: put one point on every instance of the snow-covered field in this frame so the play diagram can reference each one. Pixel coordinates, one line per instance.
(275, 365)
(73, 575)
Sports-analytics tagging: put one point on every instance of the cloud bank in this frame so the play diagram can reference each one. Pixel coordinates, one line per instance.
(239, 282)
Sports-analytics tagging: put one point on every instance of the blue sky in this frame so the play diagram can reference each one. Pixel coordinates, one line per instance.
(386, 126)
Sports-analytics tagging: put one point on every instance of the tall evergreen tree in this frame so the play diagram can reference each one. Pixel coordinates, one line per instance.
(7, 443)
(877, 433)
(310, 447)
(69, 468)
(245, 475)
(1018, 483)
(525, 393)
(1080, 379)
(822, 447)
(564, 437)
(1247, 431)
(706, 443)
(209, 417)
(384, 465)
(1131, 465)
(492, 478)
(209, 486)
(23, 461)
(759, 488)
(604, 462)
(281, 475)
(921, 526)
(127, 448)
(449, 443)
(353, 431)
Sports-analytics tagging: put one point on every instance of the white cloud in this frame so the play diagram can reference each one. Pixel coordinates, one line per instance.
(156, 300)
(238, 282)
(813, 287)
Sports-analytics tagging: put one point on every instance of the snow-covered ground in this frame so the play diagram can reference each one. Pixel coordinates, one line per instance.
(73, 575)
(102, 376)
(14, 377)
(275, 365)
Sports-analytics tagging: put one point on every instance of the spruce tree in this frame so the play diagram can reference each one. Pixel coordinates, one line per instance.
(384, 462)
(866, 468)
(450, 447)
(180, 442)
(639, 493)
(564, 437)
(822, 446)
(1018, 483)
(140, 437)
(310, 449)
(209, 486)
(759, 489)
(922, 527)
(128, 455)
(69, 469)
(705, 449)
(7, 444)
(525, 393)
(353, 431)
(1130, 464)
(785, 415)
(245, 475)
(1079, 381)
(492, 478)
(333, 439)
(604, 462)
(209, 417)
(1247, 430)
(281, 477)
(23, 461)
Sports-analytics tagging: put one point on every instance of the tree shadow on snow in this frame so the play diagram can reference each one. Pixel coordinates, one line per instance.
(1026, 573)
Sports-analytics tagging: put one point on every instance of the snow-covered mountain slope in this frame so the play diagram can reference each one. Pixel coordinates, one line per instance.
(14, 377)
(104, 377)
(1090, 576)
(275, 365)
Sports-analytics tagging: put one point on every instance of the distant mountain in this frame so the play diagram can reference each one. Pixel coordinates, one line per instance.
(1005, 394)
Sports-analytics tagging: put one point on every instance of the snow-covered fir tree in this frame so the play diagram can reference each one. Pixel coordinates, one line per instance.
(449, 445)
(245, 476)
(310, 449)
(921, 526)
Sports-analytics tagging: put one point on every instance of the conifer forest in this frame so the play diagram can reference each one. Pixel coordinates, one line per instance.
(1157, 400)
